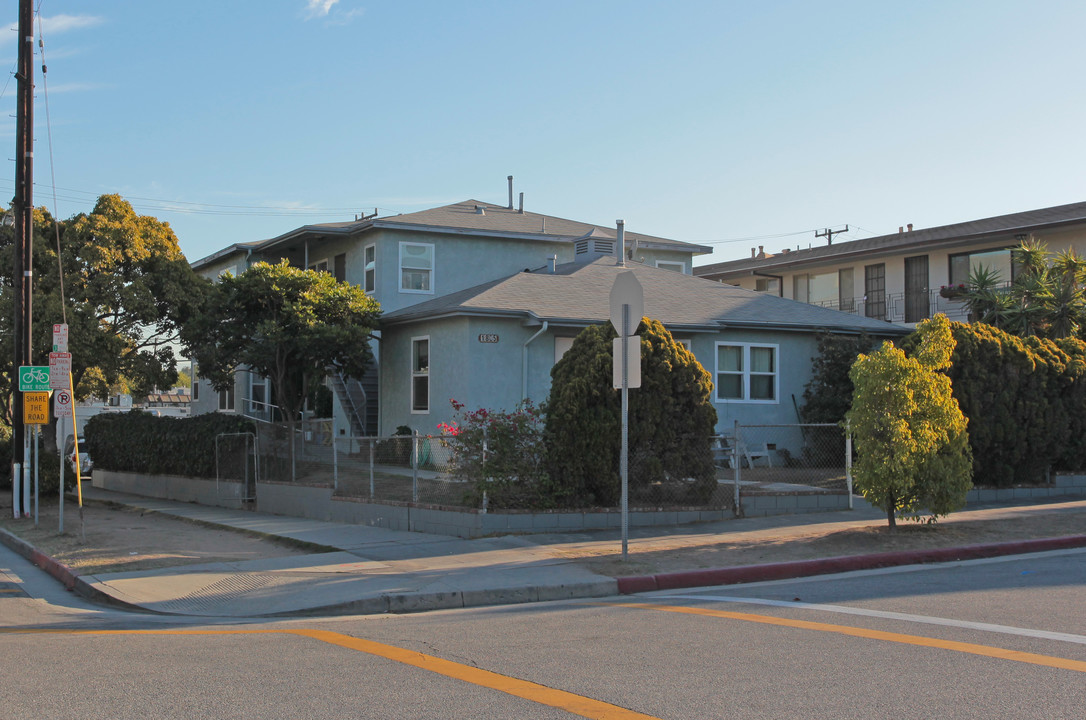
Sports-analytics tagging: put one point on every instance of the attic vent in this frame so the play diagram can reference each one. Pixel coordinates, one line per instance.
(480, 210)
(605, 247)
(582, 247)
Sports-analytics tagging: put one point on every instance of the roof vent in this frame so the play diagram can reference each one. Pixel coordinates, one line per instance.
(480, 210)
(581, 247)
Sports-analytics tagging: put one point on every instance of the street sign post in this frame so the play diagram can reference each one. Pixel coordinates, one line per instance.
(34, 378)
(627, 307)
(36, 408)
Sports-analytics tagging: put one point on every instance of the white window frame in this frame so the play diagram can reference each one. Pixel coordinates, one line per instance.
(233, 270)
(417, 373)
(746, 373)
(320, 265)
(228, 399)
(433, 263)
(254, 382)
(672, 265)
(369, 281)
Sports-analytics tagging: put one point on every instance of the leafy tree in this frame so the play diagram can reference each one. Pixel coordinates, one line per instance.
(286, 324)
(127, 290)
(184, 380)
(671, 420)
(911, 443)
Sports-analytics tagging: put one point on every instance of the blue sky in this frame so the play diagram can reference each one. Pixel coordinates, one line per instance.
(733, 124)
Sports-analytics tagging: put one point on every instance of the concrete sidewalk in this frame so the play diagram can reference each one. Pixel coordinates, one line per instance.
(364, 570)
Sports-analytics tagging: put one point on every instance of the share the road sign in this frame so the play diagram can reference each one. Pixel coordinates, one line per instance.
(36, 408)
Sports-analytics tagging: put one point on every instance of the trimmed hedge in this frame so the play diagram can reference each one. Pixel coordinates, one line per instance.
(1025, 399)
(138, 441)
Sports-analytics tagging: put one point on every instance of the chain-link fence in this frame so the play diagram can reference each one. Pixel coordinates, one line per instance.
(713, 472)
(404, 468)
(785, 458)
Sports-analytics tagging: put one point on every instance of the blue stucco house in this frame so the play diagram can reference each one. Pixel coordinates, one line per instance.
(480, 300)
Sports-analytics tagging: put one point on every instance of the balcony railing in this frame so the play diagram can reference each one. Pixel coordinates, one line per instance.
(893, 307)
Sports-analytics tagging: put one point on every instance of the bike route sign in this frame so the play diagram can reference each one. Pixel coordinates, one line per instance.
(34, 378)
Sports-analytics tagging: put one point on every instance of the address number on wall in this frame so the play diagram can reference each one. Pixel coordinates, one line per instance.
(488, 337)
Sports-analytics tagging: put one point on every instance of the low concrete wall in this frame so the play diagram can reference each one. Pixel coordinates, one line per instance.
(1061, 486)
(318, 503)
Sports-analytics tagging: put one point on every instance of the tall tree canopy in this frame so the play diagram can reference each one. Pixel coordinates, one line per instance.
(286, 324)
(127, 286)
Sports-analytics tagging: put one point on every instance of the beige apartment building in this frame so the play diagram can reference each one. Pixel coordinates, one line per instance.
(902, 277)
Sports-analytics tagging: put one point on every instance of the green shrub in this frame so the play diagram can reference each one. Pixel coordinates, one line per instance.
(1025, 399)
(137, 441)
(671, 422)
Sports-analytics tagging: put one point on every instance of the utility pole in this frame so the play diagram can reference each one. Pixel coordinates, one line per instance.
(828, 234)
(23, 206)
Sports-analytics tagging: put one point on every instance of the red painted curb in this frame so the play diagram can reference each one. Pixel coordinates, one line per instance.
(60, 571)
(847, 563)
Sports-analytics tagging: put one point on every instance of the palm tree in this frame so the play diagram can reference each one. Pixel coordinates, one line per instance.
(1046, 298)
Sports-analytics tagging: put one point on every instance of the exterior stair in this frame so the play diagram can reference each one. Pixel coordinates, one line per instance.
(358, 398)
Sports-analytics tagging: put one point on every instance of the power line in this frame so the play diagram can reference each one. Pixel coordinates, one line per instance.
(195, 208)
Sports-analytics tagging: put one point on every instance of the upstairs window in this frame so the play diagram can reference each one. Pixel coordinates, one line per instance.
(320, 265)
(226, 399)
(416, 267)
(370, 280)
(668, 265)
(767, 285)
(995, 261)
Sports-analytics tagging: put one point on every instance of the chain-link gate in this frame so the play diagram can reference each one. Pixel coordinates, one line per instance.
(237, 466)
(802, 458)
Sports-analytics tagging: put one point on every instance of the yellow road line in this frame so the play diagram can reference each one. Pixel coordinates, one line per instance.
(576, 704)
(971, 648)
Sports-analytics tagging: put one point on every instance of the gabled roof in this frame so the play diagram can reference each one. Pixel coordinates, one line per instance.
(578, 294)
(465, 218)
(1002, 227)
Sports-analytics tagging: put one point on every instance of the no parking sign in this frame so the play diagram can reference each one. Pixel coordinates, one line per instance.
(62, 403)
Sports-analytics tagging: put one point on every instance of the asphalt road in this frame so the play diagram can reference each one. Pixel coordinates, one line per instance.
(999, 638)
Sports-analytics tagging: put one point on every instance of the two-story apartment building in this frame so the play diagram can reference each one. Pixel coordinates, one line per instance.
(480, 300)
(898, 277)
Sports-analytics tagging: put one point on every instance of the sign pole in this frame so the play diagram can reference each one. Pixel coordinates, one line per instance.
(37, 469)
(627, 307)
(624, 462)
(28, 431)
(63, 442)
